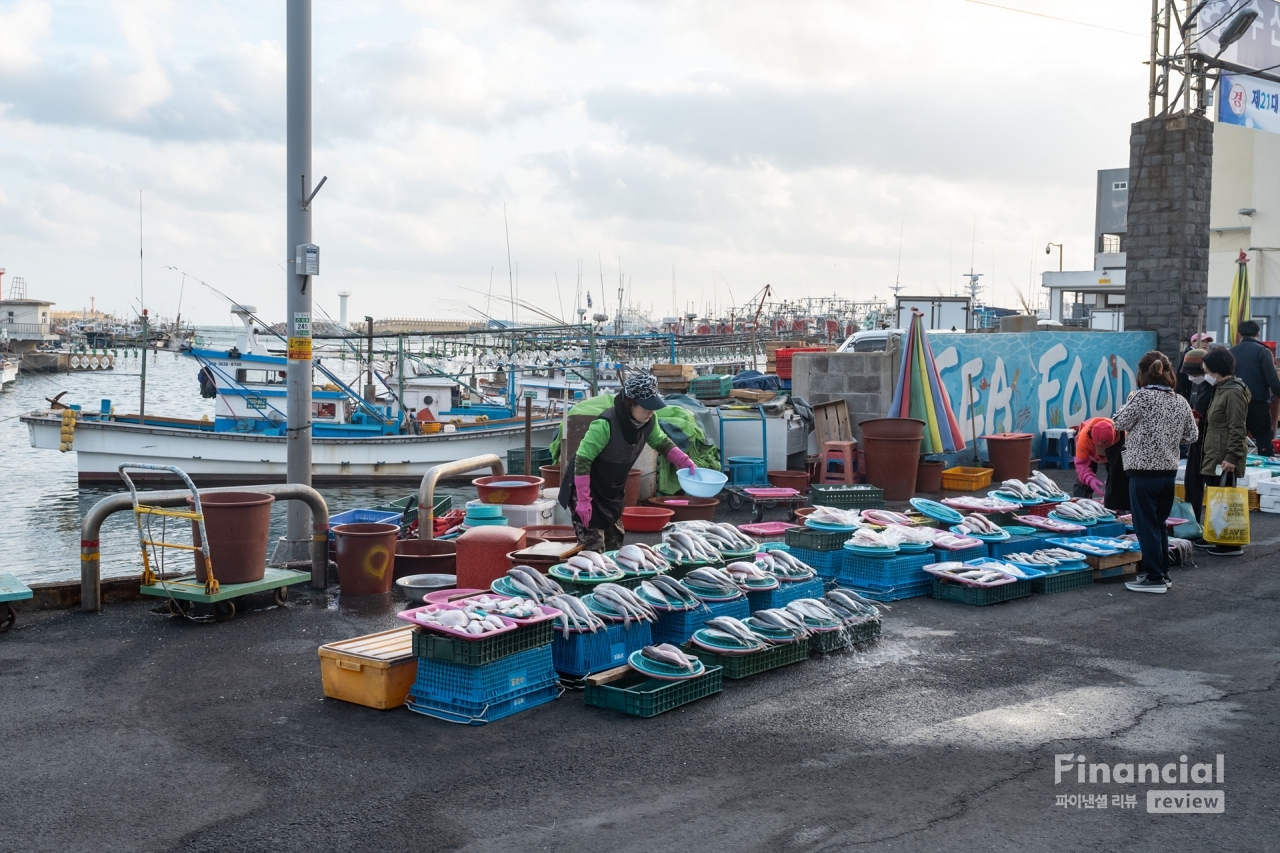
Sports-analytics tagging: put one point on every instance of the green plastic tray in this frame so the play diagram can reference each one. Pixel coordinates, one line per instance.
(858, 496)
(1062, 581)
(742, 666)
(834, 641)
(12, 589)
(477, 652)
(640, 696)
(980, 596)
(815, 540)
(189, 589)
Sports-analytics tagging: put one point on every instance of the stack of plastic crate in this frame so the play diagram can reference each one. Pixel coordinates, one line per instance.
(577, 654)
(482, 680)
(887, 578)
(821, 549)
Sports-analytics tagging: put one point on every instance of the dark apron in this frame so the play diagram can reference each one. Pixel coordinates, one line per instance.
(1116, 494)
(609, 473)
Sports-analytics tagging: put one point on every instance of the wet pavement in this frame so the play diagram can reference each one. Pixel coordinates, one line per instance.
(130, 730)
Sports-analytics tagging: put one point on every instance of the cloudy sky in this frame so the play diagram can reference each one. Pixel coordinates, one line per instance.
(740, 143)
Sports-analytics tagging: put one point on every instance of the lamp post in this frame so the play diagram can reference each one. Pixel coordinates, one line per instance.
(1048, 250)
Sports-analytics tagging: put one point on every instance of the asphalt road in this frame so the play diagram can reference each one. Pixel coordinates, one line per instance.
(129, 730)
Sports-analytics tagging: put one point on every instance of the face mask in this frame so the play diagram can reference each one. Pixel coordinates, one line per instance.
(1196, 380)
(1210, 379)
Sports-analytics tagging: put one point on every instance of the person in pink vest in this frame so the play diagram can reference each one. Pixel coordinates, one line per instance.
(1093, 437)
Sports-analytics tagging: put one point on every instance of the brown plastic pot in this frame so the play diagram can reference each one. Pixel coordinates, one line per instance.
(366, 557)
(550, 476)
(798, 480)
(692, 509)
(632, 493)
(891, 464)
(238, 524)
(1010, 455)
(425, 557)
(551, 533)
(892, 428)
(929, 476)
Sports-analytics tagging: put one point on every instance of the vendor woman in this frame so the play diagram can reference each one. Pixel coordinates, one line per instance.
(608, 451)
(1092, 440)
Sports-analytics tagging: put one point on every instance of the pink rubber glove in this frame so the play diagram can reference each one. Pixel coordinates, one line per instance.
(680, 459)
(582, 490)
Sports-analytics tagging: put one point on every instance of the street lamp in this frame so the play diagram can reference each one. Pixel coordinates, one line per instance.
(1048, 250)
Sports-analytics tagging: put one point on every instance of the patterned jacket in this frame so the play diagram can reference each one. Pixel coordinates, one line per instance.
(1157, 422)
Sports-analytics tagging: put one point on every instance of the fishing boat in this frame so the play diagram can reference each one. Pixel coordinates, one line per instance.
(8, 373)
(353, 440)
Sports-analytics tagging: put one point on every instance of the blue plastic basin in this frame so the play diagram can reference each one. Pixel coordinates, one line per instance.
(702, 483)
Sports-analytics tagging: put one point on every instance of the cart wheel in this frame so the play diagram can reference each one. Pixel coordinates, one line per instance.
(757, 513)
(770, 504)
(223, 610)
(281, 595)
(10, 616)
(735, 500)
(179, 608)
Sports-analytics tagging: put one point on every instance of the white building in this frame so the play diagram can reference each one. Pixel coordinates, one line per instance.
(26, 322)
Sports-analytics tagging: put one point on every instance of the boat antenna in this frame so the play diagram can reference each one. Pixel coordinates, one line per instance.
(897, 277)
(142, 293)
(511, 286)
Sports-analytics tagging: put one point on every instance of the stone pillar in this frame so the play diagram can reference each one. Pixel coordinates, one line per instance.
(1167, 256)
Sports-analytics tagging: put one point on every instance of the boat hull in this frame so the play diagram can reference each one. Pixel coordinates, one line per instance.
(214, 458)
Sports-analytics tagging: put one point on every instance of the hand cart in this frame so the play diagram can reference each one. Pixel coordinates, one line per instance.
(11, 589)
(739, 497)
(745, 471)
(185, 590)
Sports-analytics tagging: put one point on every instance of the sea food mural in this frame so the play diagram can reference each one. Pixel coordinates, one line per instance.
(1036, 381)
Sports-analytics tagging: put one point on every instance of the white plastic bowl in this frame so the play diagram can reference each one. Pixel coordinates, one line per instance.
(702, 483)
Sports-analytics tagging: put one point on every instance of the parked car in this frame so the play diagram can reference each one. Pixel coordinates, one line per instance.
(870, 340)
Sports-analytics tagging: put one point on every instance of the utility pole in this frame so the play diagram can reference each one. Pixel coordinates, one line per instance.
(298, 195)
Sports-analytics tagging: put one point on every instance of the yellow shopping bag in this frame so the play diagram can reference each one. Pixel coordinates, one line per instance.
(1226, 515)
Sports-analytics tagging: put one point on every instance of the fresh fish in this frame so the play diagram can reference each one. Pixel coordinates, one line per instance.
(625, 603)
(665, 653)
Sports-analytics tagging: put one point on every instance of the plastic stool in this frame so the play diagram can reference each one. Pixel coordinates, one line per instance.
(844, 454)
(746, 470)
(1057, 447)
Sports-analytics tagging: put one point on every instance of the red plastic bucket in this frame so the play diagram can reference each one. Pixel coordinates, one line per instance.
(238, 524)
(366, 557)
(1010, 455)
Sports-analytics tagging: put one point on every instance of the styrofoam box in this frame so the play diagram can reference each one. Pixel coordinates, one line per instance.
(1269, 486)
(527, 515)
(1257, 476)
(1269, 503)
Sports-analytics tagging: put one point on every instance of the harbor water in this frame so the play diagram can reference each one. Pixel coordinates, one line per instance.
(41, 504)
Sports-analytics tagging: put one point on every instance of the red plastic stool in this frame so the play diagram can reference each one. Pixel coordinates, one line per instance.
(843, 453)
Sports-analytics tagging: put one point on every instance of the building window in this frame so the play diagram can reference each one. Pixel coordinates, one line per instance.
(1109, 244)
(1119, 185)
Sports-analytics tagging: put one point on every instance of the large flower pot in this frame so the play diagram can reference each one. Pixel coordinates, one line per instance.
(425, 557)
(550, 476)
(632, 493)
(237, 524)
(1010, 455)
(687, 507)
(929, 476)
(892, 428)
(798, 480)
(891, 464)
(366, 557)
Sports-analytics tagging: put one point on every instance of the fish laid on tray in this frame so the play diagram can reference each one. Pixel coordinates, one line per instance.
(476, 622)
(884, 517)
(624, 603)
(639, 557)
(784, 564)
(952, 542)
(512, 608)
(715, 583)
(1048, 557)
(969, 503)
(779, 621)
(852, 608)
(1081, 509)
(688, 546)
(1050, 524)
(981, 525)
(867, 538)
(839, 517)
(816, 614)
(669, 655)
(971, 575)
(669, 594)
(728, 630)
(574, 616)
(533, 583)
(750, 576)
(1037, 488)
(897, 534)
(591, 564)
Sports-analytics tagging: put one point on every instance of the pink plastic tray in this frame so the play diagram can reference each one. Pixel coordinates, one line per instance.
(548, 613)
(1050, 524)
(964, 543)
(936, 572)
(412, 617)
(444, 596)
(774, 492)
(767, 528)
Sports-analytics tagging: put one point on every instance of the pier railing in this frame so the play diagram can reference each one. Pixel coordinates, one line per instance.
(427, 491)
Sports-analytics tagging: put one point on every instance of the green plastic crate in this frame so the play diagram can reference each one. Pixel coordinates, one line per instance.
(978, 595)
(409, 504)
(815, 540)
(742, 666)
(834, 641)
(856, 496)
(711, 387)
(477, 652)
(515, 460)
(1062, 581)
(641, 696)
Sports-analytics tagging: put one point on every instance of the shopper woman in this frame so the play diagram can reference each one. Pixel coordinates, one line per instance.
(1226, 432)
(610, 448)
(1157, 422)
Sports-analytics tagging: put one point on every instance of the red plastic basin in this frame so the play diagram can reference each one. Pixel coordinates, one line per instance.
(508, 489)
(645, 519)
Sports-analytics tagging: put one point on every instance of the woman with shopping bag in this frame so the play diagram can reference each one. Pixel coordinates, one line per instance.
(1157, 422)
(1225, 452)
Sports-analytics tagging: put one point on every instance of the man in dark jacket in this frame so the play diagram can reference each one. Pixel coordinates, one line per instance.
(1256, 366)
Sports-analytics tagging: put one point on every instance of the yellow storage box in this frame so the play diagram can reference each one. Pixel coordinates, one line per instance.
(376, 670)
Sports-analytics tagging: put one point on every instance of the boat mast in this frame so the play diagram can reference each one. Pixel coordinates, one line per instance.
(298, 232)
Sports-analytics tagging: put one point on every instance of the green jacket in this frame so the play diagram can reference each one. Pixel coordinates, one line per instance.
(1225, 436)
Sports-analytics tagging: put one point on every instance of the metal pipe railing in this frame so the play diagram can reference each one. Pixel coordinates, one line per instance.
(91, 529)
(427, 491)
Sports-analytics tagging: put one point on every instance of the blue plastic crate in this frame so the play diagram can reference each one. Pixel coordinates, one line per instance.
(445, 682)
(676, 627)
(1014, 544)
(826, 563)
(477, 714)
(911, 590)
(942, 555)
(582, 654)
(1107, 528)
(785, 594)
(885, 573)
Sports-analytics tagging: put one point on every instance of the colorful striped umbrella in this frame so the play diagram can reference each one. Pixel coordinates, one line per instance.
(1239, 310)
(920, 393)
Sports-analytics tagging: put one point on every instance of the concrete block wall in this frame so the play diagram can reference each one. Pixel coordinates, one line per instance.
(1167, 260)
(864, 380)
